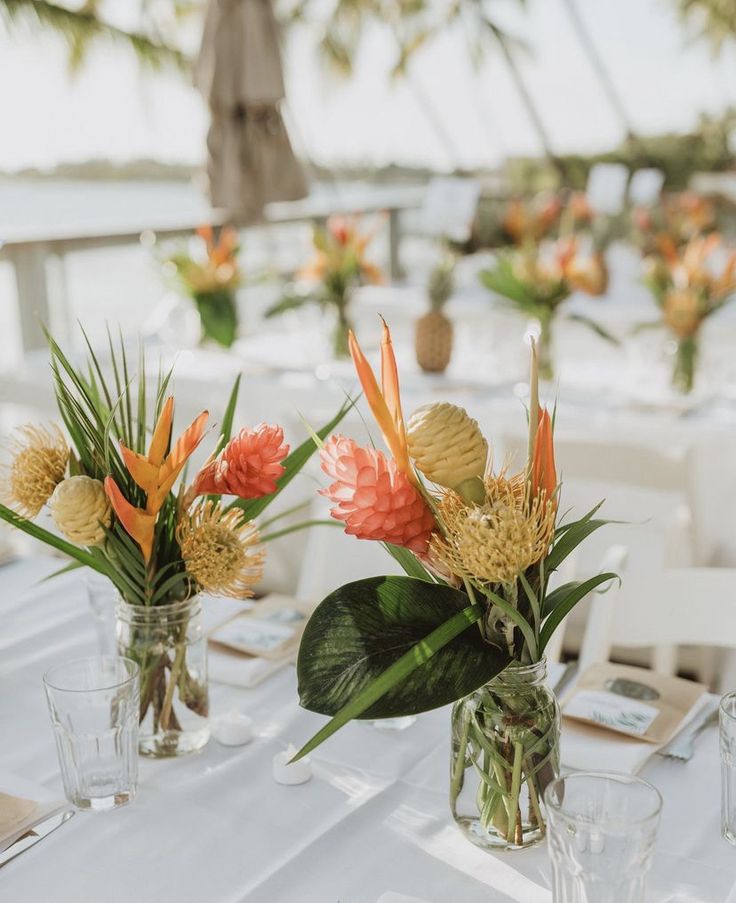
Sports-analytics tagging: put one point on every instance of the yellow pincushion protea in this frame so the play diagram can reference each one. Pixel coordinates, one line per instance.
(220, 552)
(498, 540)
(683, 312)
(81, 510)
(39, 459)
(447, 445)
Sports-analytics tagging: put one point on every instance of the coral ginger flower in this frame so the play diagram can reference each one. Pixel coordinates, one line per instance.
(374, 497)
(249, 465)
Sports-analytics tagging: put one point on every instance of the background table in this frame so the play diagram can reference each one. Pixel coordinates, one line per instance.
(215, 828)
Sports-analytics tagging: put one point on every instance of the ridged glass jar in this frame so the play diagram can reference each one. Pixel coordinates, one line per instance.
(505, 750)
(170, 646)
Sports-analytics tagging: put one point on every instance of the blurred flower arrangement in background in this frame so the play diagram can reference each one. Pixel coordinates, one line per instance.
(541, 272)
(474, 612)
(207, 270)
(672, 223)
(112, 494)
(688, 285)
(339, 265)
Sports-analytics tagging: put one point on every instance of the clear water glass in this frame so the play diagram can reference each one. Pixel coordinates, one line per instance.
(727, 721)
(601, 833)
(94, 705)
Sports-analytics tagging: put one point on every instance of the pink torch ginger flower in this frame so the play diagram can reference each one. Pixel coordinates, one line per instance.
(374, 497)
(248, 466)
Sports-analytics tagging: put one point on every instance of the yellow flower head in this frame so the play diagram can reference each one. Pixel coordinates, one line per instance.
(81, 510)
(39, 458)
(683, 312)
(498, 540)
(219, 551)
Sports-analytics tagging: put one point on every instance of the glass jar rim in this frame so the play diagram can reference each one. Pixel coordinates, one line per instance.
(181, 606)
(516, 669)
(51, 674)
(619, 777)
(727, 706)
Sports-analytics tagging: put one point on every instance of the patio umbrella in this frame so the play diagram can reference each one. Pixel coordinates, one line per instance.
(250, 159)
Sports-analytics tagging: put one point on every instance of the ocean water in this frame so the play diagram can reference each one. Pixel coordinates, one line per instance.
(123, 285)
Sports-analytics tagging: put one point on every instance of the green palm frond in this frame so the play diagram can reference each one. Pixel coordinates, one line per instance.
(80, 27)
(714, 20)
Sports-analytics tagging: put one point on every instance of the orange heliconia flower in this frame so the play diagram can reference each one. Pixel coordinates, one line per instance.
(543, 471)
(155, 473)
(385, 403)
(374, 497)
(249, 465)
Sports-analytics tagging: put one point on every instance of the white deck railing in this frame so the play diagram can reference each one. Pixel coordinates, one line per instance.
(29, 250)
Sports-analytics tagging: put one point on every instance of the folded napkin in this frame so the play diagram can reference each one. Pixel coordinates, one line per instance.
(238, 670)
(584, 747)
(22, 806)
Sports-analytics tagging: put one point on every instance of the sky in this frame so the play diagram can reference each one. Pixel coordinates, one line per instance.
(112, 110)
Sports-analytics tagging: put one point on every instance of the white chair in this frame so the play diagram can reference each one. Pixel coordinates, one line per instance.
(650, 491)
(678, 606)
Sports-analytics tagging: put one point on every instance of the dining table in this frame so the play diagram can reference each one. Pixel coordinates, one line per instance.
(215, 827)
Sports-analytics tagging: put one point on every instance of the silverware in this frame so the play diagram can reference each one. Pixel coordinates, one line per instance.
(682, 745)
(38, 832)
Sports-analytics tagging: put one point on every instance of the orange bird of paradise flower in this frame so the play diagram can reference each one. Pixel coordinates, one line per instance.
(155, 473)
(385, 402)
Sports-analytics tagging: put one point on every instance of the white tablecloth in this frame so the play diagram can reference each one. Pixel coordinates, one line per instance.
(215, 828)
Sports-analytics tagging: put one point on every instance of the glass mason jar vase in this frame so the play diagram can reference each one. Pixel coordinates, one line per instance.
(505, 750)
(170, 647)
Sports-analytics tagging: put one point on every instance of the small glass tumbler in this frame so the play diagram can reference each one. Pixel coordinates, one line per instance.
(727, 721)
(601, 833)
(94, 705)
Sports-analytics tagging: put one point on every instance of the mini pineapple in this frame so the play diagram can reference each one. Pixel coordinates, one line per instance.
(433, 339)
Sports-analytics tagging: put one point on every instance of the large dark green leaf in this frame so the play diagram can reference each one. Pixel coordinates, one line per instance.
(364, 628)
(218, 315)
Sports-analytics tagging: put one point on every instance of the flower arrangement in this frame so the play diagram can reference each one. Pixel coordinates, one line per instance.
(480, 549)
(536, 279)
(688, 289)
(673, 222)
(208, 272)
(338, 267)
(123, 507)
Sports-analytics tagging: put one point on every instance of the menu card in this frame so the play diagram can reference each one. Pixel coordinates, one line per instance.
(632, 701)
(253, 644)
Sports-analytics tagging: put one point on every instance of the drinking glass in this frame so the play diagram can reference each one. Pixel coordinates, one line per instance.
(601, 832)
(727, 720)
(94, 705)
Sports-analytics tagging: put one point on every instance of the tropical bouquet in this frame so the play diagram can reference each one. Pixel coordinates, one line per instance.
(676, 220)
(688, 287)
(536, 278)
(207, 270)
(338, 267)
(116, 486)
(472, 617)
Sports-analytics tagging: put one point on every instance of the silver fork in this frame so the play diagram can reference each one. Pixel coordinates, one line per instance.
(682, 745)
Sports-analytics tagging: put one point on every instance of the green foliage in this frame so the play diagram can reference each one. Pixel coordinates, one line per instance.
(218, 316)
(714, 19)
(530, 300)
(679, 156)
(391, 646)
(80, 27)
